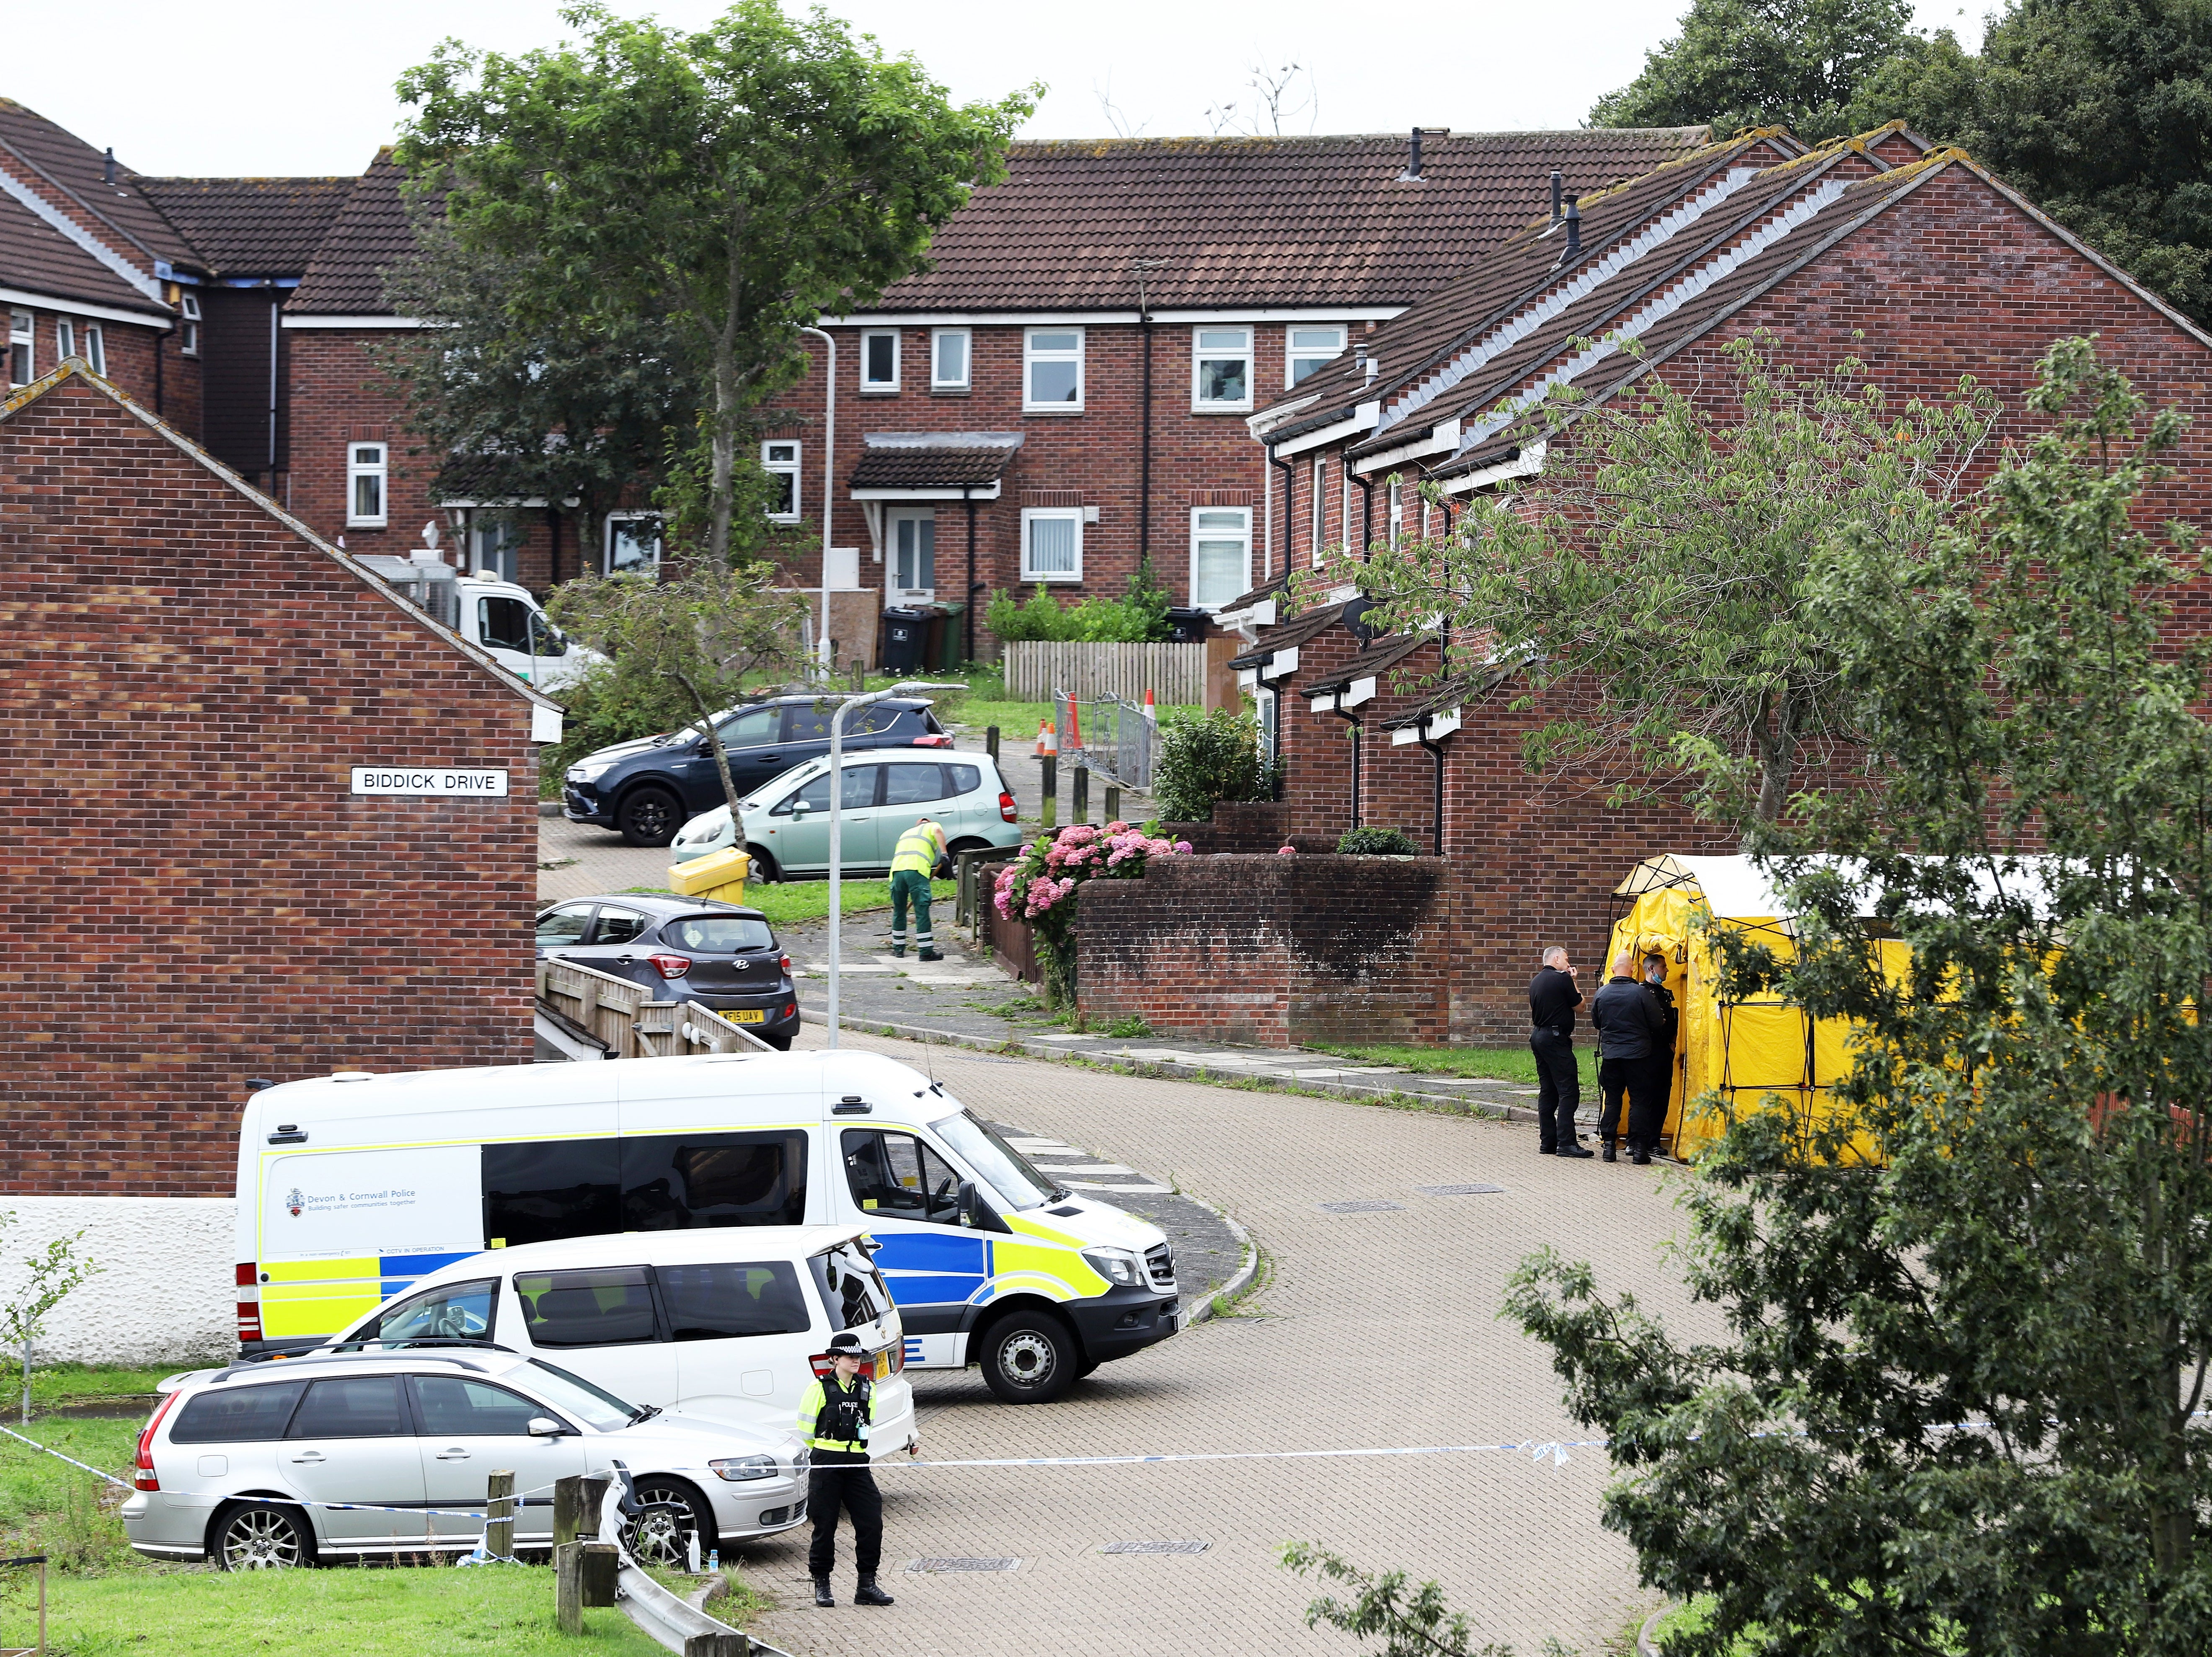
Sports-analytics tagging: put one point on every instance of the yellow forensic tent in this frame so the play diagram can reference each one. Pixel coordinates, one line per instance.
(1729, 1055)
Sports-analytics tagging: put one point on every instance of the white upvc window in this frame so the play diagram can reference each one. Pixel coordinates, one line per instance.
(1397, 513)
(1307, 345)
(1051, 543)
(1221, 554)
(64, 339)
(780, 460)
(1052, 371)
(1428, 518)
(95, 348)
(950, 351)
(188, 330)
(1221, 370)
(633, 542)
(879, 359)
(368, 470)
(1350, 544)
(23, 348)
(1320, 510)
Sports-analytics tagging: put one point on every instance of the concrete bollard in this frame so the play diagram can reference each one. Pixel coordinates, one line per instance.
(1113, 803)
(1048, 807)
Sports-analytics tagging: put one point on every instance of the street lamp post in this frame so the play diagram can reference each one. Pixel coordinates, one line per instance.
(837, 822)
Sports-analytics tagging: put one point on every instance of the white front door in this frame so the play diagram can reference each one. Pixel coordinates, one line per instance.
(913, 534)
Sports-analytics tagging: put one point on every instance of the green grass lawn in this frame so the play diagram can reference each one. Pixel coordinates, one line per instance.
(103, 1599)
(345, 1612)
(789, 903)
(1502, 1064)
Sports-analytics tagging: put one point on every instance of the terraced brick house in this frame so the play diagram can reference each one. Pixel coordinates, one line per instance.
(1920, 263)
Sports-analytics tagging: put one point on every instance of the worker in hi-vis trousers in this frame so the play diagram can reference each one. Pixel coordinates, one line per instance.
(920, 851)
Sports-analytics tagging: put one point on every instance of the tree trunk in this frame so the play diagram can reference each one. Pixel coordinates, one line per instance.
(714, 746)
(723, 465)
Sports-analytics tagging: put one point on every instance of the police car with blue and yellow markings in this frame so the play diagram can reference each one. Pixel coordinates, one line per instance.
(352, 1188)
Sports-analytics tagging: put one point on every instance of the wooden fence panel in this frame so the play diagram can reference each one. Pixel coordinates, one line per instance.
(1173, 673)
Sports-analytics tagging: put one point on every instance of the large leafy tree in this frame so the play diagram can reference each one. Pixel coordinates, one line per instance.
(1653, 584)
(2100, 110)
(523, 402)
(1951, 1402)
(741, 181)
(1759, 62)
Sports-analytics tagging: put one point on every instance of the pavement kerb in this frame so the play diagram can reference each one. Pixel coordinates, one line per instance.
(1443, 1104)
(1243, 1274)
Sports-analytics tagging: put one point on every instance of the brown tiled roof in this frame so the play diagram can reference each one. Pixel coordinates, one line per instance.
(370, 234)
(1295, 631)
(1376, 656)
(1455, 692)
(934, 460)
(1316, 220)
(36, 256)
(253, 226)
(123, 213)
(1527, 266)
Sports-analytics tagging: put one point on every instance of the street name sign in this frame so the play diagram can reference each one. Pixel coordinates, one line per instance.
(436, 782)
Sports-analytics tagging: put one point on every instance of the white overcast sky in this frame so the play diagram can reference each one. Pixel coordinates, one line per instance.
(227, 88)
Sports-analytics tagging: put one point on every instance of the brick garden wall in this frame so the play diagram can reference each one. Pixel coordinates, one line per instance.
(1273, 950)
(184, 683)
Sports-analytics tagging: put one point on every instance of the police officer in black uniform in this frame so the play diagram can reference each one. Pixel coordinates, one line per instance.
(1650, 1095)
(835, 1417)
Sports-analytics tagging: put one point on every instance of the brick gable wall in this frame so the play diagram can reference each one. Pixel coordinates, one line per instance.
(184, 683)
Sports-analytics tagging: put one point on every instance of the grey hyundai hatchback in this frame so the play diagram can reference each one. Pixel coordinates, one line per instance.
(724, 957)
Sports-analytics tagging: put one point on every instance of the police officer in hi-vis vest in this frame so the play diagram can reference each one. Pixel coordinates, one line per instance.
(834, 1418)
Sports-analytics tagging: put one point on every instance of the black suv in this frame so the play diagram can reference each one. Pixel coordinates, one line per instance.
(650, 788)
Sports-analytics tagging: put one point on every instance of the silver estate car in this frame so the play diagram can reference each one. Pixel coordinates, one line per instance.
(382, 1451)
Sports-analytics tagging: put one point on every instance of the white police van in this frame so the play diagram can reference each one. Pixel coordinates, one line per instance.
(351, 1187)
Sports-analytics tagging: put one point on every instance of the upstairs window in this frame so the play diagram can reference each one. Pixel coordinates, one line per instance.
(780, 460)
(1052, 371)
(188, 330)
(1221, 554)
(366, 474)
(23, 348)
(1397, 513)
(1309, 347)
(1051, 543)
(64, 339)
(949, 350)
(1221, 360)
(95, 348)
(879, 360)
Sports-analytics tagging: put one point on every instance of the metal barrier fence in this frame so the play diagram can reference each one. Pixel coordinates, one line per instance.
(1111, 736)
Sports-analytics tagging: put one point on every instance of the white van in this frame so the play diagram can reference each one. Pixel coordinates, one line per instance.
(719, 1323)
(352, 1188)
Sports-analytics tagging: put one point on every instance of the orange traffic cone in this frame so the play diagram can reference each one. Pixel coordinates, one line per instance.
(1047, 740)
(1074, 726)
(1150, 712)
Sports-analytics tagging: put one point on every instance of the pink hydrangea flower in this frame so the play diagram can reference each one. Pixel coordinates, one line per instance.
(1183, 848)
(1117, 828)
(1286, 851)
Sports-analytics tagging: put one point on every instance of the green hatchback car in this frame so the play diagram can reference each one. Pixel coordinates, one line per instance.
(887, 790)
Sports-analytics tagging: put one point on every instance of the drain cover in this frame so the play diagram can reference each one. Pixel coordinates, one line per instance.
(944, 1566)
(1358, 1208)
(1458, 1190)
(1155, 1547)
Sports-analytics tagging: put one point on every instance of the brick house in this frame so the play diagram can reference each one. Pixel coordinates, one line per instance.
(1923, 266)
(1063, 392)
(188, 676)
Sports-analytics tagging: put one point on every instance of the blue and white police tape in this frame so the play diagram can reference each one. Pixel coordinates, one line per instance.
(1556, 1449)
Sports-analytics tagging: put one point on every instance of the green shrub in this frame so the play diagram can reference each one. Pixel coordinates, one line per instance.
(1377, 842)
(1140, 618)
(1205, 758)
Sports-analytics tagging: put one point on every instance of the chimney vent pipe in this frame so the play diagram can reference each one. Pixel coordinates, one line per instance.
(107, 167)
(1412, 173)
(1574, 231)
(1558, 186)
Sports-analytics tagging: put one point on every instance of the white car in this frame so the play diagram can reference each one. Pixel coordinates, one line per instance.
(787, 822)
(261, 1466)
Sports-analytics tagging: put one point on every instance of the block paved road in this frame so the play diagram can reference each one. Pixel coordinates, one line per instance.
(1376, 1329)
